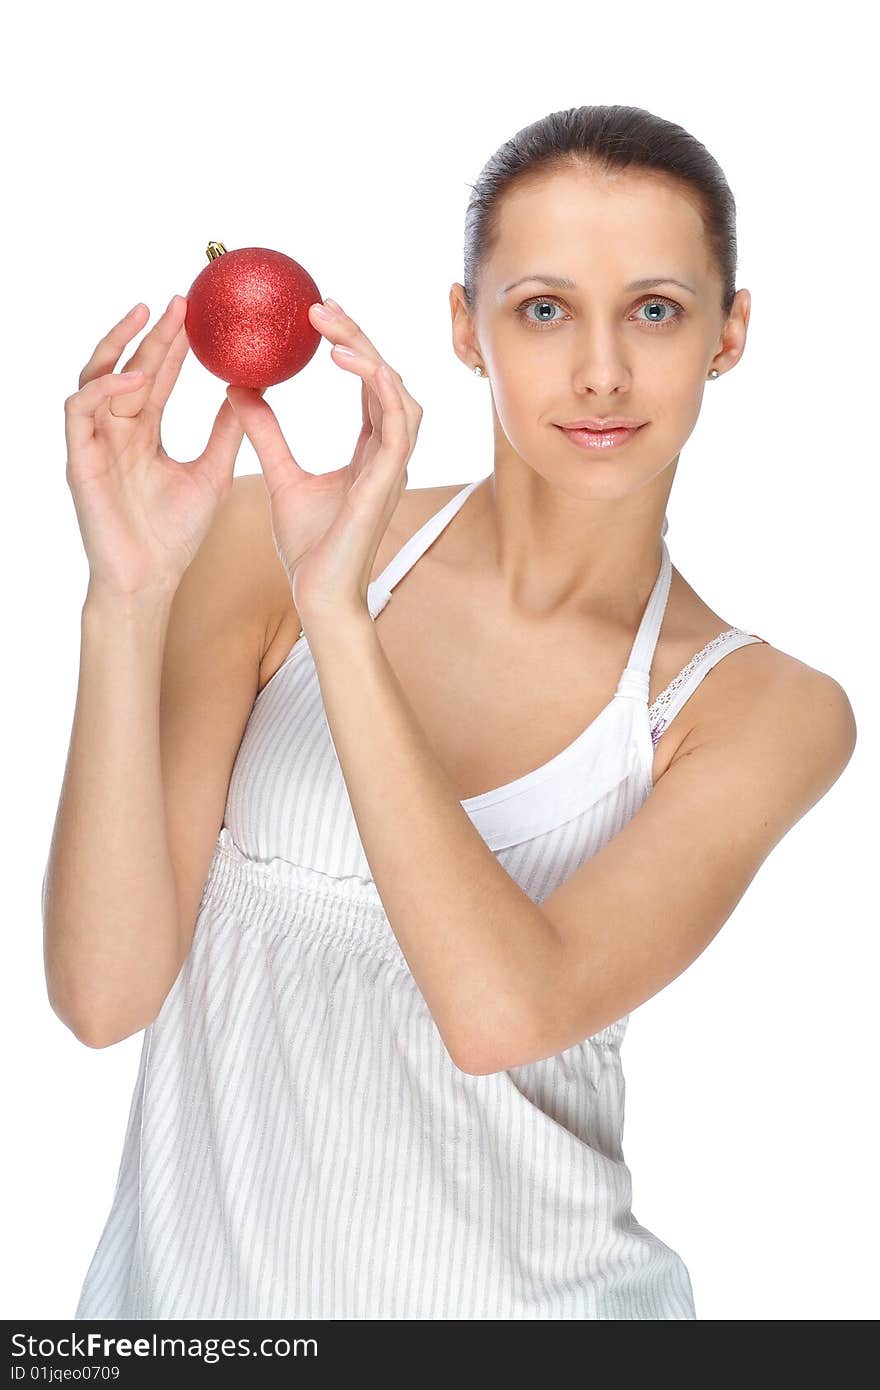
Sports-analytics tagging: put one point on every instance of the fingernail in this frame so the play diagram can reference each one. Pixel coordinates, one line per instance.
(333, 305)
(171, 303)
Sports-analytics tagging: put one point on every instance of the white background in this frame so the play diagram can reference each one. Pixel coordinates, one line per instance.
(136, 134)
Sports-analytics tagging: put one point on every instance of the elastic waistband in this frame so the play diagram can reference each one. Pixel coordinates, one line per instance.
(282, 899)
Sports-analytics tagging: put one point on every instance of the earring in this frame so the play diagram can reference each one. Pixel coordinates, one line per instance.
(713, 374)
(478, 371)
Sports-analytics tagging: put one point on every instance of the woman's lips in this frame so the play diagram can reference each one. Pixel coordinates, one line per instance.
(600, 439)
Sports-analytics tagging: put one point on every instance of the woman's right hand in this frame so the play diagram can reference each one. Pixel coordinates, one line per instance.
(142, 514)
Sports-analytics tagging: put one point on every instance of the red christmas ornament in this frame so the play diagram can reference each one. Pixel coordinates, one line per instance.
(247, 317)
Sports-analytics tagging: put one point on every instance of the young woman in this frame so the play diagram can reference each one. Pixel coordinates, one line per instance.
(381, 844)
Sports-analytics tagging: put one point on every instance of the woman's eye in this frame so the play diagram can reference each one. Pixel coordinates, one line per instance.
(668, 313)
(538, 304)
(667, 317)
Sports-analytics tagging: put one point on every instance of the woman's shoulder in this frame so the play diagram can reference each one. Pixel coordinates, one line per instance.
(772, 690)
(756, 681)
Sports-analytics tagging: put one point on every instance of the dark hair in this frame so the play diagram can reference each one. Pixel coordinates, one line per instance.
(603, 138)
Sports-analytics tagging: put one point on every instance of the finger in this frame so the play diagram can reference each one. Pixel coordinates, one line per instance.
(394, 441)
(167, 375)
(371, 411)
(395, 428)
(108, 350)
(151, 353)
(263, 430)
(374, 398)
(217, 462)
(341, 330)
(366, 422)
(345, 333)
(80, 408)
(338, 327)
(386, 475)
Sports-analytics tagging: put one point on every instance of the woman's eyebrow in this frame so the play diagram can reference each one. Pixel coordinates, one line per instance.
(562, 282)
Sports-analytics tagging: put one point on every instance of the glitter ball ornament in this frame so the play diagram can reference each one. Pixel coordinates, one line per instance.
(247, 316)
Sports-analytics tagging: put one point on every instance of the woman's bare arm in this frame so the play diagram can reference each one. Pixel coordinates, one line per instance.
(165, 691)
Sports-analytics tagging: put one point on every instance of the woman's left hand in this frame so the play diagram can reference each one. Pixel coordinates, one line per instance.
(329, 565)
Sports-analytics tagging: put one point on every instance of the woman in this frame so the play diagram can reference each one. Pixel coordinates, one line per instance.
(384, 1006)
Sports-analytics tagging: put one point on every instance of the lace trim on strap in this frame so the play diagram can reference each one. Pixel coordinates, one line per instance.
(658, 717)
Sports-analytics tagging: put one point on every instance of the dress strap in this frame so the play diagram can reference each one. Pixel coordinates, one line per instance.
(636, 678)
(681, 687)
(379, 591)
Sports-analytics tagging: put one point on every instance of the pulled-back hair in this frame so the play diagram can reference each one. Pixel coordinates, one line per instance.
(602, 139)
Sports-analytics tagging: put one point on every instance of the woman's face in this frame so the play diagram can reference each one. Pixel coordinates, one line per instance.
(554, 355)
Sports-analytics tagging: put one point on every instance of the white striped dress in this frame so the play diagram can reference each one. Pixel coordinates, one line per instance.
(299, 1142)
